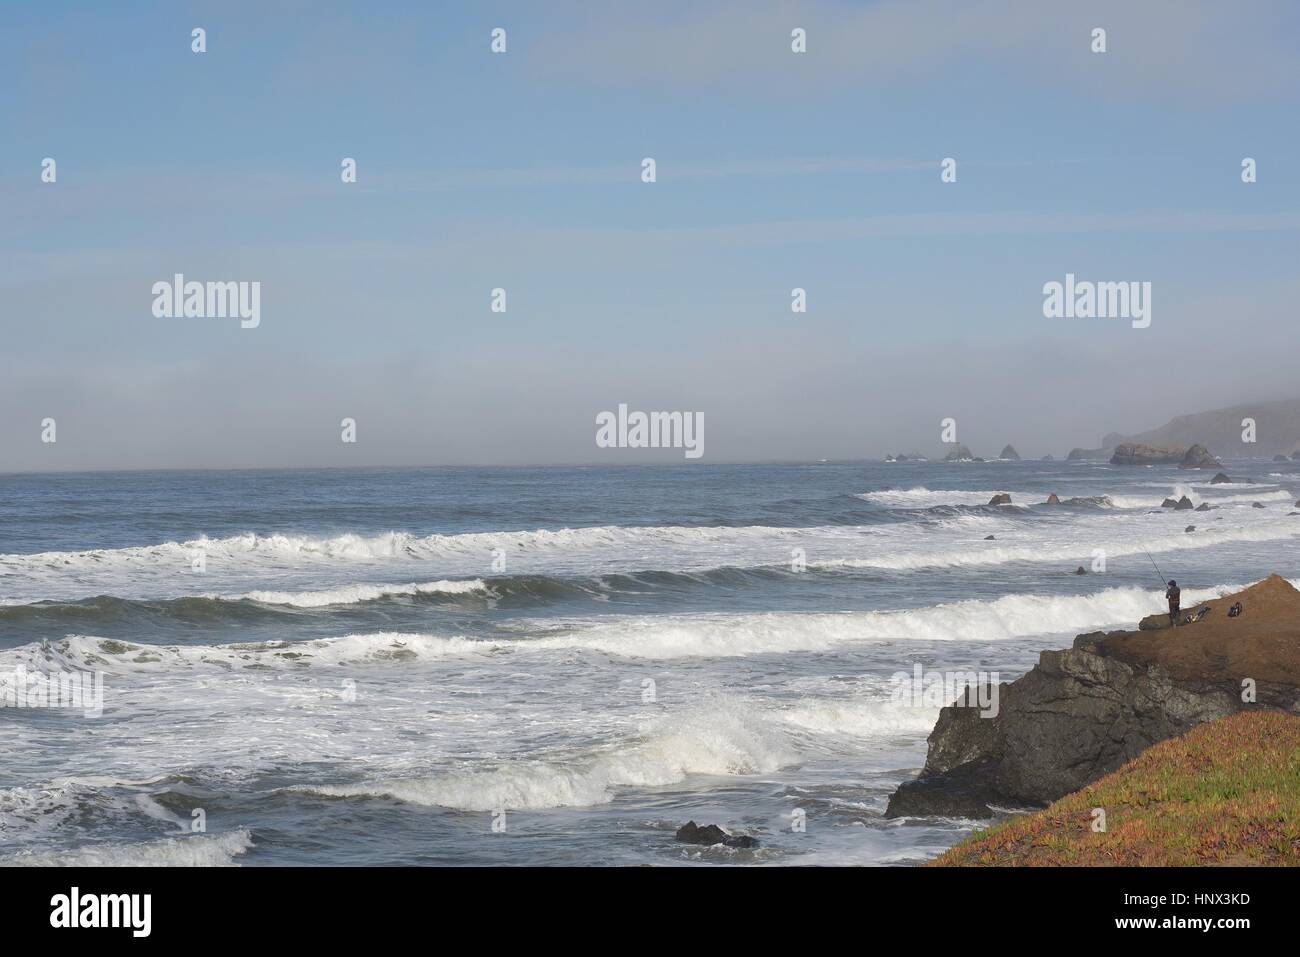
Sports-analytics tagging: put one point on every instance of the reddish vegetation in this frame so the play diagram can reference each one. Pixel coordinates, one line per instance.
(1227, 792)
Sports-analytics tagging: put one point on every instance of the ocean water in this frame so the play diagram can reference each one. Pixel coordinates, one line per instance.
(551, 666)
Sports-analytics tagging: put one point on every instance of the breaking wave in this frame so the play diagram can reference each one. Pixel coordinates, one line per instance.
(636, 636)
(727, 739)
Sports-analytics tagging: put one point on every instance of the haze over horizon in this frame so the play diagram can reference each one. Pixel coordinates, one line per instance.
(522, 171)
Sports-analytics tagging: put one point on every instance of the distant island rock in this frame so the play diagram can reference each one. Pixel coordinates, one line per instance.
(1080, 455)
(1136, 453)
(959, 454)
(1010, 453)
(1199, 457)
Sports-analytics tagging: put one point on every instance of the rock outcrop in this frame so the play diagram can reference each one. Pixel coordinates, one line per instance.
(1081, 713)
(711, 834)
(1052, 500)
(1009, 452)
(1134, 453)
(1199, 457)
(959, 454)
(1220, 479)
(1080, 455)
(1002, 498)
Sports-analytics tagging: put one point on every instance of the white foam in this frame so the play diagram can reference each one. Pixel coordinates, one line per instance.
(197, 850)
(726, 739)
(354, 594)
(640, 636)
(88, 652)
(305, 571)
(860, 718)
(1078, 546)
(721, 636)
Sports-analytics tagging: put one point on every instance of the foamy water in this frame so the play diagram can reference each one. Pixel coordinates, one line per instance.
(487, 656)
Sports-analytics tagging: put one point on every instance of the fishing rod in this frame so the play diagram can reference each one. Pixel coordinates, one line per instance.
(1153, 565)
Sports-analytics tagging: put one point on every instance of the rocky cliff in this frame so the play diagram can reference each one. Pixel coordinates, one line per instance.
(1082, 713)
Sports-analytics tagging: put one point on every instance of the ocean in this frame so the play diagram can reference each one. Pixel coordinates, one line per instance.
(510, 666)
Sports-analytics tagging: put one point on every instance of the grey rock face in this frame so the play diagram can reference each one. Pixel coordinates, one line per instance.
(1075, 717)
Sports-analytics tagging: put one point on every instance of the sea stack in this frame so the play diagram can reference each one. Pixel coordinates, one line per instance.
(1199, 457)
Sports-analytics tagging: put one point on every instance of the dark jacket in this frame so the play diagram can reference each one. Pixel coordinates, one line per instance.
(1173, 594)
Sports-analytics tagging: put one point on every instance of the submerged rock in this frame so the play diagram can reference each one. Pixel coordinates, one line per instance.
(1081, 570)
(1002, 498)
(1184, 503)
(1220, 479)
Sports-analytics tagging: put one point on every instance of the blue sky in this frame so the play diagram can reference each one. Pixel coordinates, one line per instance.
(521, 170)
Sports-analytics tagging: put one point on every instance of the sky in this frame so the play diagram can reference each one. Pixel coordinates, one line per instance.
(522, 171)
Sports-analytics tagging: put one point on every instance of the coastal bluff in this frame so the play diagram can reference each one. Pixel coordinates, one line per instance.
(1083, 712)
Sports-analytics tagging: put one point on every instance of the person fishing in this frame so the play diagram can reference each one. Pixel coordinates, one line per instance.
(1174, 594)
